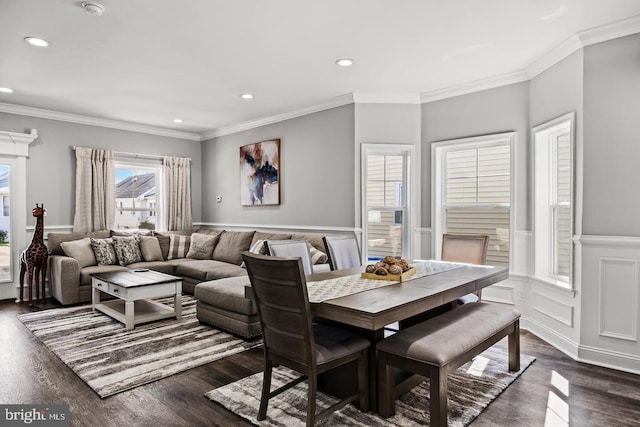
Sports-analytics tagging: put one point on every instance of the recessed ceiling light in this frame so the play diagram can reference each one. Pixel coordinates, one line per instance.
(178, 120)
(344, 62)
(35, 41)
(6, 90)
(93, 8)
(246, 96)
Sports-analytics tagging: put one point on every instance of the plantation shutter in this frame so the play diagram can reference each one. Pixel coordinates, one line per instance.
(478, 197)
(561, 206)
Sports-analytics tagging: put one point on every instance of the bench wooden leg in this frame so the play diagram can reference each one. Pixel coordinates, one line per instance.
(438, 396)
(386, 387)
(514, 348)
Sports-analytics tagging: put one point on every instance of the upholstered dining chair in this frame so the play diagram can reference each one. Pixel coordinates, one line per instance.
(292, 340)
(342, 251)
(466, 248)
(291, 248)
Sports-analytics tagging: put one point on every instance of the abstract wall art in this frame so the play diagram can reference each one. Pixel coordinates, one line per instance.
(260, 173)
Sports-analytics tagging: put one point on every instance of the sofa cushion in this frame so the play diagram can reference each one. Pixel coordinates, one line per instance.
(202, 269)
(104, 251)
(85, 273)
(314, 240)
(54, 239)
(127, 249)
(81, 251)
(227, 293)
(150, 248)
(231, 244)
(178, 246)
(201, 246)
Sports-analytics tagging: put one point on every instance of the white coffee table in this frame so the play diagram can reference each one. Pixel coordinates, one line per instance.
(133, 290)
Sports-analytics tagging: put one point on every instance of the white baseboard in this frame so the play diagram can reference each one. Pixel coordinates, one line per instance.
(561, 342)
(610, 359)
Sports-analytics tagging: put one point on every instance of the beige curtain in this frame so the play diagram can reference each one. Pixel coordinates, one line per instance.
(95, 190)
(177, 193)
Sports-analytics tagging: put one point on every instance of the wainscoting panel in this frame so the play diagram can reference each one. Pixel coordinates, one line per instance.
(610, 301)
(617, 285)
(553, 308)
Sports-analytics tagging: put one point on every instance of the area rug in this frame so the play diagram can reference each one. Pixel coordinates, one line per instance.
(111, 359)
(471, 388)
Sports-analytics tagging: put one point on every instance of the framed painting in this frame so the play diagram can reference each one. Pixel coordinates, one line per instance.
(260, 173)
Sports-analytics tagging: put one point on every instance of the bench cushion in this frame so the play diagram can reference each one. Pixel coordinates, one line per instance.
(439, 340)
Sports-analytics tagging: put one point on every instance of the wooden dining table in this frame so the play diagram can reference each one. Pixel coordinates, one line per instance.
(369, 311)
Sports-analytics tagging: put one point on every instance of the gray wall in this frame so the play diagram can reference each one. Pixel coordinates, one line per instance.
(317, 179)
(612, 137)
(490, 111)
(51, 162)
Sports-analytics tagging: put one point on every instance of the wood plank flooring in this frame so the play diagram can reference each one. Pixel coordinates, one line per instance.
(30, 373)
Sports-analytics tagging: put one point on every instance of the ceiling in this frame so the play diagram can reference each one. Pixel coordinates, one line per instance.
(151, 61)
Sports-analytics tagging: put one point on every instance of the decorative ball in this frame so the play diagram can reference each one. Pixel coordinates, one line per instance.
(395, 269)
(381, 271)
(389, 260)
(370, 268)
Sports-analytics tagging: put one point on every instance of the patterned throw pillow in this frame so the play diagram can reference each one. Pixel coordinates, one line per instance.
(178, 246)
(104, 251)
(127, 249)
(317, 257)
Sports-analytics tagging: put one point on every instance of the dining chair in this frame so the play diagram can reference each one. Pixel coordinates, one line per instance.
(342, 251)
(466, 248)
(291, 248)
(292, 340)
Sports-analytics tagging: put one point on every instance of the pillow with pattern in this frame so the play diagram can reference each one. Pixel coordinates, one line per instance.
(178, 246)
(317, 257)
(127, 249)
(104, 251)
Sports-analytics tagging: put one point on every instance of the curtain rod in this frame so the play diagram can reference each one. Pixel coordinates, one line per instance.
(137, 155)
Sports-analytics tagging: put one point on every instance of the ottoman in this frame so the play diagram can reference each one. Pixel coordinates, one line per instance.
(221, 303)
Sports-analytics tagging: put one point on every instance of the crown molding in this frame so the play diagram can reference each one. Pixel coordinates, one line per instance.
(474, 86)
(614, 30)
(94, 121)
(386, 98)
(553, 56)
(326, 105)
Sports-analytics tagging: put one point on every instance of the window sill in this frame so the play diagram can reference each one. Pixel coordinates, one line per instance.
(557, 285)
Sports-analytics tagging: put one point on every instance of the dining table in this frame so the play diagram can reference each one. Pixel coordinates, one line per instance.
(368, 305)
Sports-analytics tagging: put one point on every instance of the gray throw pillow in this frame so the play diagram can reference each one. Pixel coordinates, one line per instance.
(127, 249)
(80, 250)
(201, 246)
(104, 251)
(231, 244)
(150, 248)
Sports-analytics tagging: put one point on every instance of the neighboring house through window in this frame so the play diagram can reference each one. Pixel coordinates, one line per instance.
(137, 194)
(473, 191)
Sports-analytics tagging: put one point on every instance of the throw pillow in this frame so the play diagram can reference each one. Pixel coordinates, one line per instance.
(150, 248)
(201, 246)
(104, 251)
(127, 249)
(231, 244)
(317, 257)
(178, 246)
(80, 250)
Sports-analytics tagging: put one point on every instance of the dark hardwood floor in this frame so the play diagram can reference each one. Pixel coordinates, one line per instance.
(30, 373)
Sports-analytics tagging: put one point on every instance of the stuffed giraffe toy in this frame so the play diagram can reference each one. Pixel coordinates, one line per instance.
(35, 259)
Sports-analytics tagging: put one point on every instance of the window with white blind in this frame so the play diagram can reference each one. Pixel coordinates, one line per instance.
(553, 228)
(473, 191)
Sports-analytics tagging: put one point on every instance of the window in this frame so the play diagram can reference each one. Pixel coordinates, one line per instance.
(137, 193)
(473, 191)
(386, 200)
(553, 194)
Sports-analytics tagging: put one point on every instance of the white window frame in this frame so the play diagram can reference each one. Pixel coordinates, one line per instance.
(439, 150)
(408, 151)
(543, 137)
(123, 161)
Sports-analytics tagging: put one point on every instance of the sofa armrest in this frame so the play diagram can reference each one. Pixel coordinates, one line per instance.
(64, 279)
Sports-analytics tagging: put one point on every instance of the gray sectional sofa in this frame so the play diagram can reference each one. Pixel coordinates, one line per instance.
(206, 258)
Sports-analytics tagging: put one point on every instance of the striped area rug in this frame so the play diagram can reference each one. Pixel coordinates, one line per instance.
(111, 360)
(472, 387)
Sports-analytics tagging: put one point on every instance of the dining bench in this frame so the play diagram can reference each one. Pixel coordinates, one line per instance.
(437, 346)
